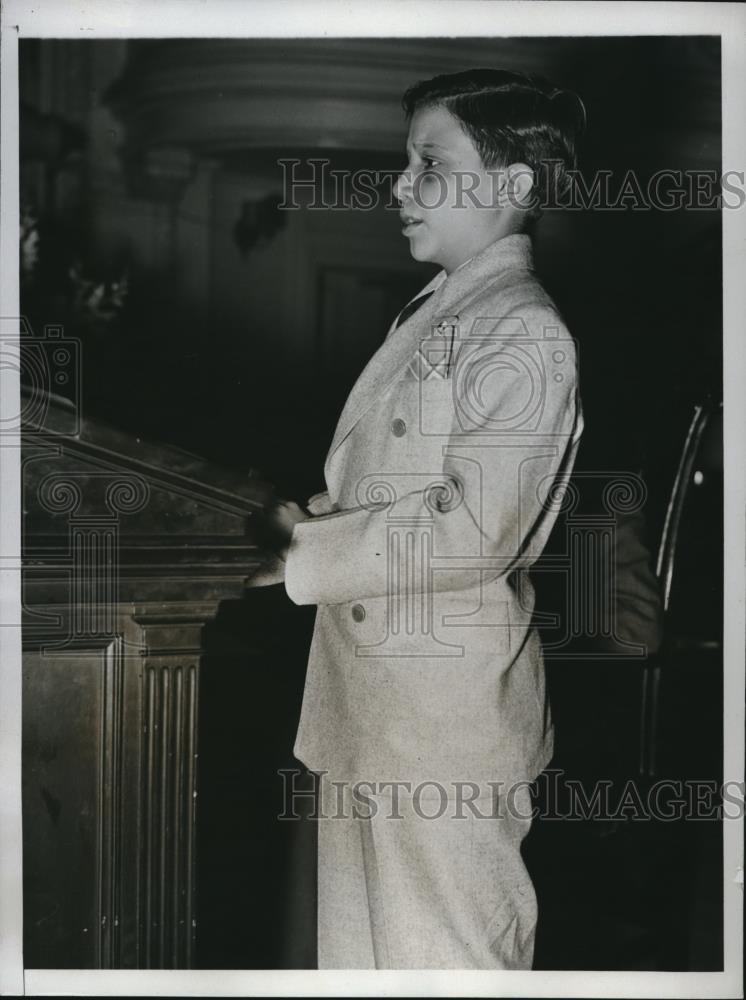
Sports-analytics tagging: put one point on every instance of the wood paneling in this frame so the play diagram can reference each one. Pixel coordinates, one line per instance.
(129, 549)
(74, 784)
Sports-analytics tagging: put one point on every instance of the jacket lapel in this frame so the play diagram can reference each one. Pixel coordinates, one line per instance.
(403, 342)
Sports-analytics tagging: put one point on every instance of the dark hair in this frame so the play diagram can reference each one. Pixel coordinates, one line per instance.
(511, 118)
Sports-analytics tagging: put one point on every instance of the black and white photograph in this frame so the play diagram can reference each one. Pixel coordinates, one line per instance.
(372, 539)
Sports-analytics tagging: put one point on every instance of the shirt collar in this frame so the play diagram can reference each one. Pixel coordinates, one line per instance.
(508, 253)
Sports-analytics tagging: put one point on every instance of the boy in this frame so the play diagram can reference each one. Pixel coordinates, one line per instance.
(424, 708)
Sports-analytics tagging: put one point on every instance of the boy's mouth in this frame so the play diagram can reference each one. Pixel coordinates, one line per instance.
(409, 223)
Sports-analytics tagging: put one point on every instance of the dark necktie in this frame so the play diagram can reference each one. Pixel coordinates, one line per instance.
(411, 308)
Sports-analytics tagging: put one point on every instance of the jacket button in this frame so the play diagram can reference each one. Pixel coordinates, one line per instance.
(398, 427)
(358, 612)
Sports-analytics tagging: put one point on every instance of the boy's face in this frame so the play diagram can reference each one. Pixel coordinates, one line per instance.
(447, 196)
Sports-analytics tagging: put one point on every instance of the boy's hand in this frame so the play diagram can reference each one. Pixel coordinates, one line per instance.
(320, 503)
(274, 526)
(267, 574)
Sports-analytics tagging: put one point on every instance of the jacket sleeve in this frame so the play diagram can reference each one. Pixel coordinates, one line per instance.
(492, 506)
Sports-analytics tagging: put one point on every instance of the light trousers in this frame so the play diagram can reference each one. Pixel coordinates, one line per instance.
(399, 890)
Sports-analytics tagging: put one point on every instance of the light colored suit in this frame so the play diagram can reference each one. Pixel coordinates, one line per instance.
(444, 478)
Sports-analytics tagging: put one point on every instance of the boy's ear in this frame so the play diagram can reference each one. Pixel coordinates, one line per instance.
(516, 185)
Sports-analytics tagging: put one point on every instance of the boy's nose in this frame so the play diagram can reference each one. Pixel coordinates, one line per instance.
(403, 186)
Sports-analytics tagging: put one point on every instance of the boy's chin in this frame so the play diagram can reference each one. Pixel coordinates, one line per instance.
(423, 254)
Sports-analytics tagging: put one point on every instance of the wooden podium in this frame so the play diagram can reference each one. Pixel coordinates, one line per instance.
(128, 549)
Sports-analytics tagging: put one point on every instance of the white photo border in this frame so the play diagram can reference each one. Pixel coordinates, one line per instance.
(384, 18)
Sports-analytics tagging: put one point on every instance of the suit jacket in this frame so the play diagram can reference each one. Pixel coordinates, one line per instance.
(444, 477)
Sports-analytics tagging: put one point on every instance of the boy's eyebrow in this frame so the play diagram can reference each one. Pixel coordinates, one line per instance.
(428, 144)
